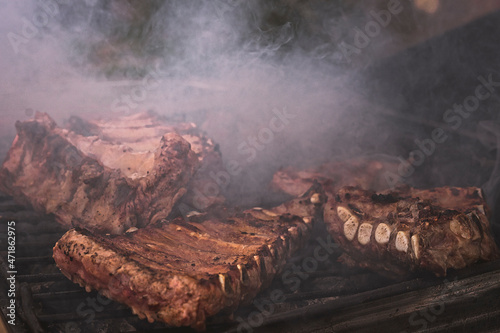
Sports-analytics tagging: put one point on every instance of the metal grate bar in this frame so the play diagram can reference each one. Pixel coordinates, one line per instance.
(34, 260)
(34, 278)
(59, 295)
(73, 316)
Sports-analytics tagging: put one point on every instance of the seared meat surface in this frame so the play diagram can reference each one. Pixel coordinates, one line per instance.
(411, 229)
(104, 176)
(182, 271)
(365, 172)
(141, 132)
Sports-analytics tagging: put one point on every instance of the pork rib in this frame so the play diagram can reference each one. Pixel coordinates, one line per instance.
(141, 131)
(182, 271)
(96, 181)
(411, 229)
(365, 172)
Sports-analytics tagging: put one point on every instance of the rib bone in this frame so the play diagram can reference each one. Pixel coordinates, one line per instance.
(402, 241)
(243, 273)
(315, 198)
(350, 227)
(415, 245)
(343, 213)
(270, 213)
(222, 280)
(382, 233)
(365, 233)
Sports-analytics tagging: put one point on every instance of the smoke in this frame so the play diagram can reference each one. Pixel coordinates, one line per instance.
(275, 83)
(229, 66)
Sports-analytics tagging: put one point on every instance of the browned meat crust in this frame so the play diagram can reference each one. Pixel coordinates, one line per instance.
(180, 272)
(97, 182)
(142, 131)
(367, 173)
(410, 229)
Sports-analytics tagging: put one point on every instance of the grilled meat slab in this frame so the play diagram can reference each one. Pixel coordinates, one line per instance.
(103, 178)
(367, 173)
(182, 271)
(411, 229)
(141, 131)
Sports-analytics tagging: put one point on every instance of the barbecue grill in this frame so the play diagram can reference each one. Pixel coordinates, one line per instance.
(332, 297)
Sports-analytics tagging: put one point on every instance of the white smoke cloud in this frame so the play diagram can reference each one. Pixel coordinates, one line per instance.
(225, 65)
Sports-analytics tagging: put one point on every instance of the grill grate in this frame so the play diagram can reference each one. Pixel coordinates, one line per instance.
(330, 296)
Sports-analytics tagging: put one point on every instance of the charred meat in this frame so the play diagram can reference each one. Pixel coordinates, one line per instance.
(182, 271)
(141, 132)
(104, 176)
(367, 173)
(410, 229)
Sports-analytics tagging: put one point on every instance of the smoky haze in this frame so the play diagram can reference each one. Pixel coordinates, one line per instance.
(267, 80)
(229, 66)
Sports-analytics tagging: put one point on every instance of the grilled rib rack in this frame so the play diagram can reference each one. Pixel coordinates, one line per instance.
(331, 298)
